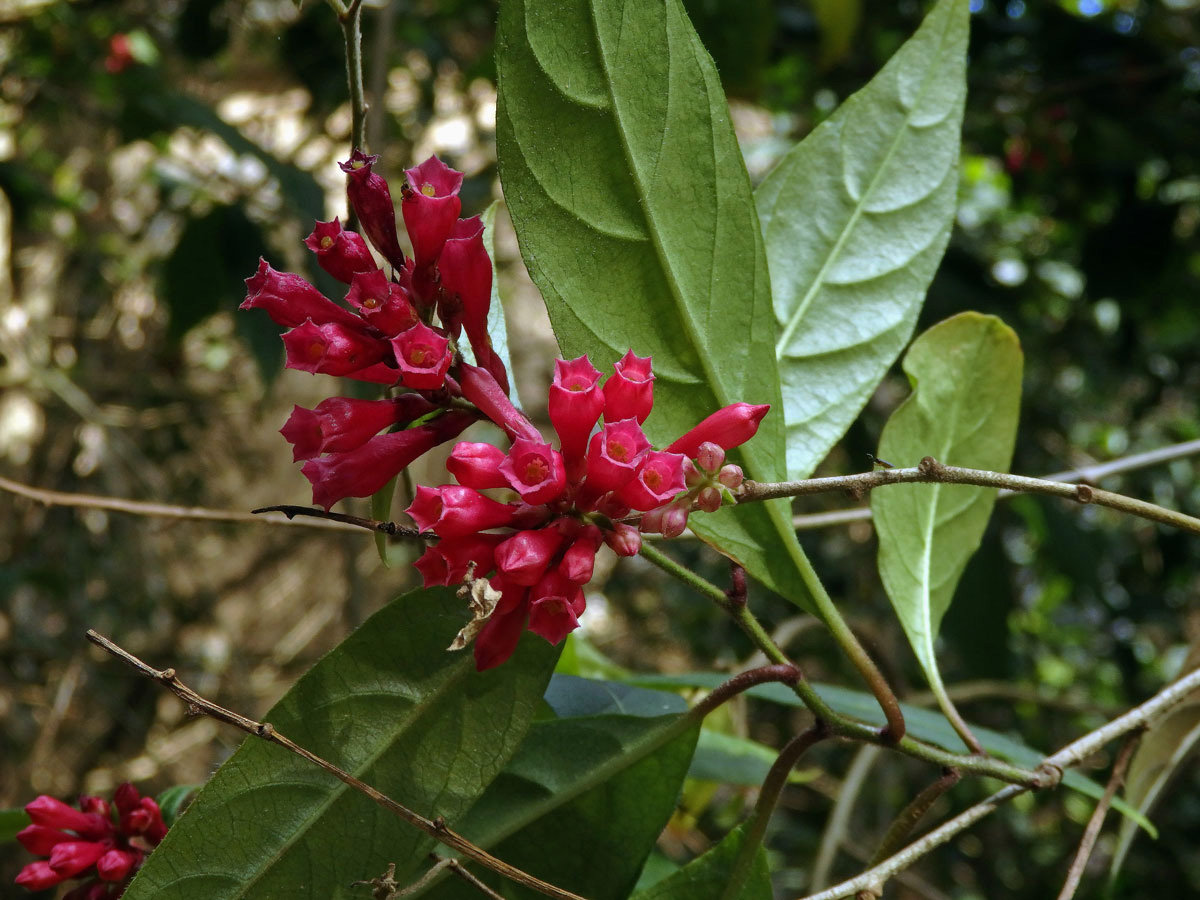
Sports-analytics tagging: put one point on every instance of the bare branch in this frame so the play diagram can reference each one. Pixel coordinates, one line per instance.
(1051, 771)
(436, 828)
(931, 471)
(1092, 831)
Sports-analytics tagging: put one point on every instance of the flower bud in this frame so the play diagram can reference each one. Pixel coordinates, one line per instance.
(447, 561)
(455, 511)
(731, 476)
(423, 356)
(526, 555)
(629, 392)
(372, 202)
(728, 427)
(38, 876)
(535, 471)
(70, 858)
(624, 540)
(45, 810)
(579, 560)
(709, 499)
(555, 605)
(383, 304)
(332, 348)
(115, 865)
(499, 637)
(477, 465)
(466, 273)
(339, 252)
(674, 520)
(710, 457)
(290, 300)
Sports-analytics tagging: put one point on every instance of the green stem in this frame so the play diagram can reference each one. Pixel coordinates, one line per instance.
(350, 18)
(768, 798)
(839, 725)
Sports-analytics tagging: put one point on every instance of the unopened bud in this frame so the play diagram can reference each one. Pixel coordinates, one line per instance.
(731, 476)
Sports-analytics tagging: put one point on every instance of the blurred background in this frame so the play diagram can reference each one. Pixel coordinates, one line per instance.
(151, 152)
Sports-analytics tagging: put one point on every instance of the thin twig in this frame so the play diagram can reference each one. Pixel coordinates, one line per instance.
(435, 828)
(931, 471)
(389, 528)
(1088, 842)
(159, 510)
(1050, 771)
(1086, 475)
(912, 815)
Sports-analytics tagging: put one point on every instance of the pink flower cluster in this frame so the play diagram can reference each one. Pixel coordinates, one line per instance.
(385, 332)
(572, 498)
(101, 842)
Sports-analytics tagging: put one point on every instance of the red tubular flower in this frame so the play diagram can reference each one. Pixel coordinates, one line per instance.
(477, 465)
(290, 300)
(466, 273)
(86, 843)
(430, 206)
(629, 392)
(382, 303)
(341, 253)
(481, 388)
(659, 478)
(535, 471)
(455, 511)
(372, 202)
(423, 356)
(576, 401)
(613, 456)
(728, 427)
(341, 424)
(332, 348)
(499, 637)
(447, 561)
(526, 556)
(555, 605)
(579, 561)
(363, 471)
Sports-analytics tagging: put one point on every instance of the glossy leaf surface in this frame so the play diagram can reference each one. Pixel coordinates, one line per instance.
(966, 378)
(856, 218)
(390, 706)
(635, 217)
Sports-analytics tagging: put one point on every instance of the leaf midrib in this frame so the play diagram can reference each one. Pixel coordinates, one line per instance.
(818, 282)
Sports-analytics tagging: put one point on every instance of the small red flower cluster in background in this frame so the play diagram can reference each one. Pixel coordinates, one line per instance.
(570, 497)
(101, 842)
(403, 332)
(385, 333)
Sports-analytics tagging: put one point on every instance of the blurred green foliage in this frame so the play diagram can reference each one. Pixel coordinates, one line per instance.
(139, 182)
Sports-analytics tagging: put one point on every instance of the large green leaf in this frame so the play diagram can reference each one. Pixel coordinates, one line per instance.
(587, 794)
(730, 759)
(856, 218)
(392, 707)
(923, 724)
(634, 213)
(963, 411)
(706, 877)
(12, 821)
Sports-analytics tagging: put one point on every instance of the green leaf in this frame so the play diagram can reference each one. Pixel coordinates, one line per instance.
(923, 724)
(705, 877)
(12, 821)
(174, 800)
(963, 411)
(730, 759)
(1163, 747)
(634, 213)
(585, 797)
(390, 706)
(856, 218)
